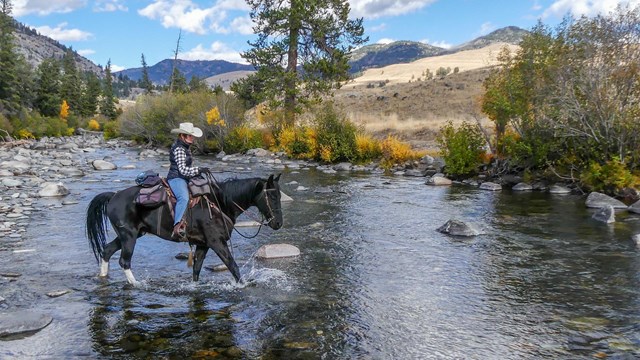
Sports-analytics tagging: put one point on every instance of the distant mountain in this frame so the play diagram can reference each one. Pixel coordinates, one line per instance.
(161, 72)
(379, 55)
(35, 48)
(510, 35)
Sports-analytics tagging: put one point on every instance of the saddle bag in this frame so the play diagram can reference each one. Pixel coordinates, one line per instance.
(199, 186)
(148, 178)
(152, 196)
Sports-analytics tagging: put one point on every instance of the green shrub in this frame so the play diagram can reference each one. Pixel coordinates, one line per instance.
(241, 139)
(110, 130)
(608, 178)
(336, 136)
(461, 148)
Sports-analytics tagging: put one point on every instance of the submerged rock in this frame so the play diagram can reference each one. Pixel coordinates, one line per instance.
(273, 251)
(22, 322)
(458, 228)
(606, 214)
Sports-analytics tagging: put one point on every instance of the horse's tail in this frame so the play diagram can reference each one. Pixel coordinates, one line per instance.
(97, 222)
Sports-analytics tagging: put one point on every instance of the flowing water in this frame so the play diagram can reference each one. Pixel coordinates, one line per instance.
(374, 280)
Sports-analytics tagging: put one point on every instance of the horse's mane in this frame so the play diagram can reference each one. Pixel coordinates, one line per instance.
(240, 190)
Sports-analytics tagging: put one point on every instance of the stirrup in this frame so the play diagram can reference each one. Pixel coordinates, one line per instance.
(180, 231)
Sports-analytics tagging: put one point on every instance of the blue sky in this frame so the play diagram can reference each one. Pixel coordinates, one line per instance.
(121, 31)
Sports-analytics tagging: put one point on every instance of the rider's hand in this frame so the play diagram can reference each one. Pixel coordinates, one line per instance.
(203, 170)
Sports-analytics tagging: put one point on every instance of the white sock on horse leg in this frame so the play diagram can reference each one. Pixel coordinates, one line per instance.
(130, 278)
(104, 268)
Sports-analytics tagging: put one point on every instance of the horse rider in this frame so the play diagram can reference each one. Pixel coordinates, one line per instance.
(180, 171)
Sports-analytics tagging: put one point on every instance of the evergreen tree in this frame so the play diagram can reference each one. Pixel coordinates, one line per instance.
(178, 82)
(90, 95)
(9, 80)
(48, 78)
(71, 88)
(314, 37)
(108, 105)
(145, 82)
(198, 84)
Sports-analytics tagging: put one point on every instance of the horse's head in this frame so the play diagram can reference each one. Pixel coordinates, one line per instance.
(267, 200)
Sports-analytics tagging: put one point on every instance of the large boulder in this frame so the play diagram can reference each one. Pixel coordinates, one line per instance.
(273, 251)
(103, 165)
(459, 228)
(53, 190)
(598, 200)
(22, 322)
(437, 180)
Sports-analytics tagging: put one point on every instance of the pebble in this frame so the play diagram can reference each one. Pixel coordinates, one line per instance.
(54, 294)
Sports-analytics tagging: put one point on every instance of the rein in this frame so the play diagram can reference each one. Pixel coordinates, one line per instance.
(212, 181)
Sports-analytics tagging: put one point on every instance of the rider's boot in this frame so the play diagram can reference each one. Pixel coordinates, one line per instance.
(180, 231)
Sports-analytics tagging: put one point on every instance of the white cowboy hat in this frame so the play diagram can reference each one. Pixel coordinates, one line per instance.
(187, 128)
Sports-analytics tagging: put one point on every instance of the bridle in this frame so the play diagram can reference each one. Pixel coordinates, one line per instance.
(263, 222)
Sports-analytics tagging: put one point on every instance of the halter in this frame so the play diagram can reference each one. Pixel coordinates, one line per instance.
(263, 222)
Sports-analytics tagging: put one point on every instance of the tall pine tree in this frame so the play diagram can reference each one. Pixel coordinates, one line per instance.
(71, 88)
(145, 82)
(313, 37)
(10, 91)
(108, 105)
(90, 94)
(48, 79)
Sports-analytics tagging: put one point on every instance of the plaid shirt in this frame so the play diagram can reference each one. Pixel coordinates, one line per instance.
(185, 170)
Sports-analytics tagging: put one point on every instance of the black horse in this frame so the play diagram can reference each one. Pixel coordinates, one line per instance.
(207, 228)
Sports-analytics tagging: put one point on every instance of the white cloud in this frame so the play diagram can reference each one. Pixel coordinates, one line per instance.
(45, 7)
(86, 52)
(182, 14)
(372, 9)
(242, 25)
(384, 41)
(109, 6)
(584, 7)
(190, 16)
(116, 68)
(377, 28)
(443, 44)
(217, 51)
(59, 33)
(485, 28)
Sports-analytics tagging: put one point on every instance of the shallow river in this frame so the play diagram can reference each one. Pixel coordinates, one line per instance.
(374, 280)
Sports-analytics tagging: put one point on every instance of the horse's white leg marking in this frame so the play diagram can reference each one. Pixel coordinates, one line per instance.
(104, 268)
(130, 278)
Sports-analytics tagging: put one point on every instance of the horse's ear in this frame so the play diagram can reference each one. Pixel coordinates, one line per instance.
(270, 180)
(277, 177)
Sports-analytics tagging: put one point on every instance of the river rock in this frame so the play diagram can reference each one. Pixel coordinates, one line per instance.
(458, 228)
(414, 173)
(522, 187)
(55, 294)
(437, 180)
(343, 166)
(247, 223)
(605, 214)
(598, 200)
(284, 197)
(635, 207)
(24, 321)
(216, 268)
(272, 251)
(491, 186)
(103, 165)
(636, 239)
(52, 190)
(10, 182)
(5, 173)
(559, 189)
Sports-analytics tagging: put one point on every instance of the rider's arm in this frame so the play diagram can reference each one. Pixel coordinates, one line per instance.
(181, 160)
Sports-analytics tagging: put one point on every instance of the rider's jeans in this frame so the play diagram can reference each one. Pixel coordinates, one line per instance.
(180, 190)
